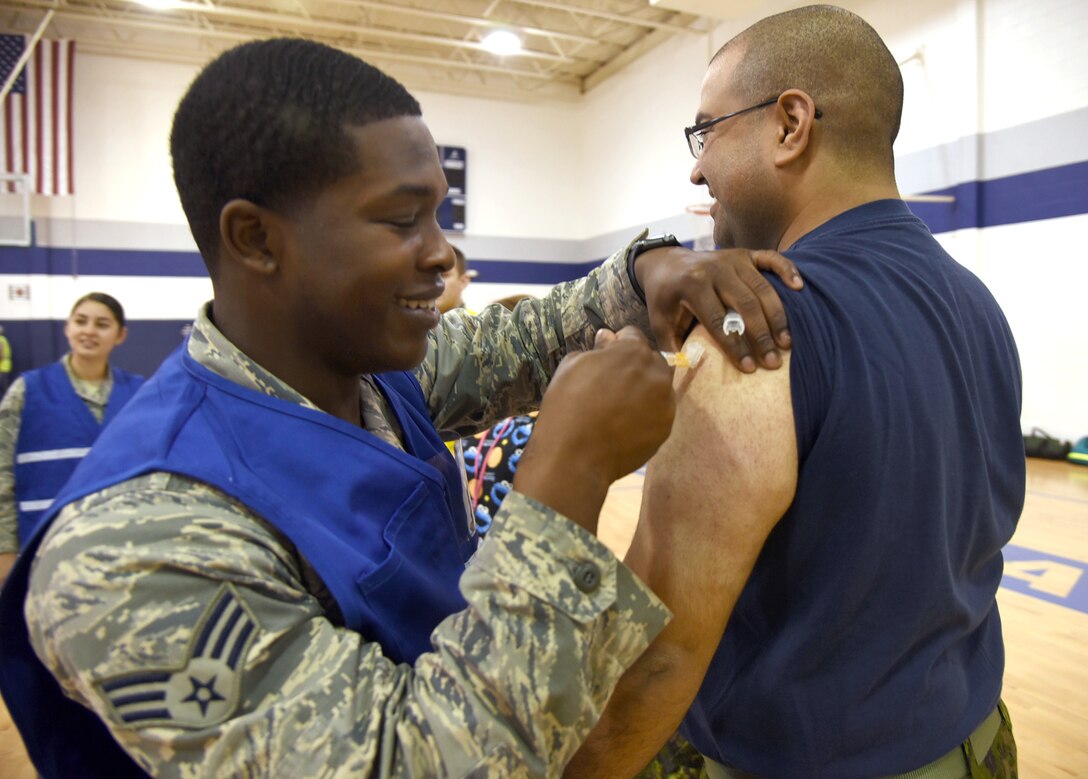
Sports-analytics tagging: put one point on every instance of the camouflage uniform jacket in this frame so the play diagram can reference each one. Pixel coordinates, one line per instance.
(128, 578)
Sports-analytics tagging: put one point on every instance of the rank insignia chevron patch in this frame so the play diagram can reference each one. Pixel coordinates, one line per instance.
(205, 689)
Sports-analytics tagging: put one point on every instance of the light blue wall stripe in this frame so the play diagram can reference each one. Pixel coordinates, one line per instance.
(1046, 143)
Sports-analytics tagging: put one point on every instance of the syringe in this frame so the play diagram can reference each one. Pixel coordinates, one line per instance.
(688, 358)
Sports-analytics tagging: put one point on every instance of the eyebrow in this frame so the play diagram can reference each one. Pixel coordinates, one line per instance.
(412, 190)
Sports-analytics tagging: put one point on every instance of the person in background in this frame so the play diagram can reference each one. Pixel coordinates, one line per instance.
(456, 279)
(867, 642)
(50, 417)
(5, 362)
(264, 567)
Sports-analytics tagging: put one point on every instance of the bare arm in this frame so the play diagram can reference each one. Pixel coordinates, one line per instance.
(713, 493)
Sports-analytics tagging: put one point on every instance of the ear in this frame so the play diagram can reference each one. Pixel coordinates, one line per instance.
(122, 334)
(796, 112)
(244, 229)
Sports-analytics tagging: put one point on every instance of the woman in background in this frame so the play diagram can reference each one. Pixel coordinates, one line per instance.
(50, 417)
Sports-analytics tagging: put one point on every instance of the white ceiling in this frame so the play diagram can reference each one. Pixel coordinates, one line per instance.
(432, 45)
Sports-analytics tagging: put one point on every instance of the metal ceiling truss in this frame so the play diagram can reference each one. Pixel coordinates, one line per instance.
(435, 45)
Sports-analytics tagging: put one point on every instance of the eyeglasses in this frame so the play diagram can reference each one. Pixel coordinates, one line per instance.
(696, 134)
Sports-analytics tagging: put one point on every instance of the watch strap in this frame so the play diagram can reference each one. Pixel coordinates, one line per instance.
(645, 245)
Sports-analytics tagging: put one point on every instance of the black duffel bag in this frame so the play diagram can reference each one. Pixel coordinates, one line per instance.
(1041, 444)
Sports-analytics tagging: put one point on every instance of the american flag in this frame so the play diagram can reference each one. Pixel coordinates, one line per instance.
(36, 127)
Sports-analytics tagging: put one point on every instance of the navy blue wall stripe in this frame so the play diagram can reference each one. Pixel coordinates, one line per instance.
(514, 272)
(119, 262)
(1027, 197)
(99, 262)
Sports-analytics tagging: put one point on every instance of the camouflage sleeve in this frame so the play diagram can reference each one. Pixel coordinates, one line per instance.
(484, 367)
(11, 417)
(190, 628)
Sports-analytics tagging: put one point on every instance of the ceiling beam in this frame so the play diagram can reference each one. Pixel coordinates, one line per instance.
(236, 35)
(578, 43)
(473, 21)
(319, 26)
(625, 58)
(622, 19)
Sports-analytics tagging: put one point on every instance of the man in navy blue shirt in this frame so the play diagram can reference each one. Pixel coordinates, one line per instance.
(866, 641)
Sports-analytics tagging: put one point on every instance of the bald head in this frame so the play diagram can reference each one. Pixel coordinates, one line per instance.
(840, 61)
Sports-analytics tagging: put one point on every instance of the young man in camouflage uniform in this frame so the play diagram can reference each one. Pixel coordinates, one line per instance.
(265, 568)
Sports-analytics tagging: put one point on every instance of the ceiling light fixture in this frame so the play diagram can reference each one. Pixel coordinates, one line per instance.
(159, 5)
(502, 42)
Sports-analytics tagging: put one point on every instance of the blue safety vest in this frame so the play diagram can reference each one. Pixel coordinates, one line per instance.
(385, 529)
(55, 432)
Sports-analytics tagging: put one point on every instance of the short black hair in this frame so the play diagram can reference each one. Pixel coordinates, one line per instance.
(108, 301)
(265, 121)
(840, 61)
(460, 264)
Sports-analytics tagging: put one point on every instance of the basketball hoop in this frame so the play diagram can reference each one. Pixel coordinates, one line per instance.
(14, 209)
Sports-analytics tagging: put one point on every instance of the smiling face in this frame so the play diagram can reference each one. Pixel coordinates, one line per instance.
(93, 331)
(736, 162)
(360, 263)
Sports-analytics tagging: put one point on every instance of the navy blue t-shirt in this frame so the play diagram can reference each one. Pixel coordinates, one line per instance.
(867, 641)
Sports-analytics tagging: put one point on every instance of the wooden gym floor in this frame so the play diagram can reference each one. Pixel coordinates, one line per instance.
(1044, 611)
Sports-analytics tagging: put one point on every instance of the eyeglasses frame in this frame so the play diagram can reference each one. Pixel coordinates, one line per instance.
(699, 129)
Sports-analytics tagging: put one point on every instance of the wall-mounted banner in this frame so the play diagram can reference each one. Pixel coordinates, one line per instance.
(451, 214)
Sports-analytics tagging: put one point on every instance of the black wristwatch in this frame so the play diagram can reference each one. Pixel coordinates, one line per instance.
(644, 245)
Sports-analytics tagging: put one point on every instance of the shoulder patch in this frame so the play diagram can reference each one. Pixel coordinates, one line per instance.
(205, 689)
